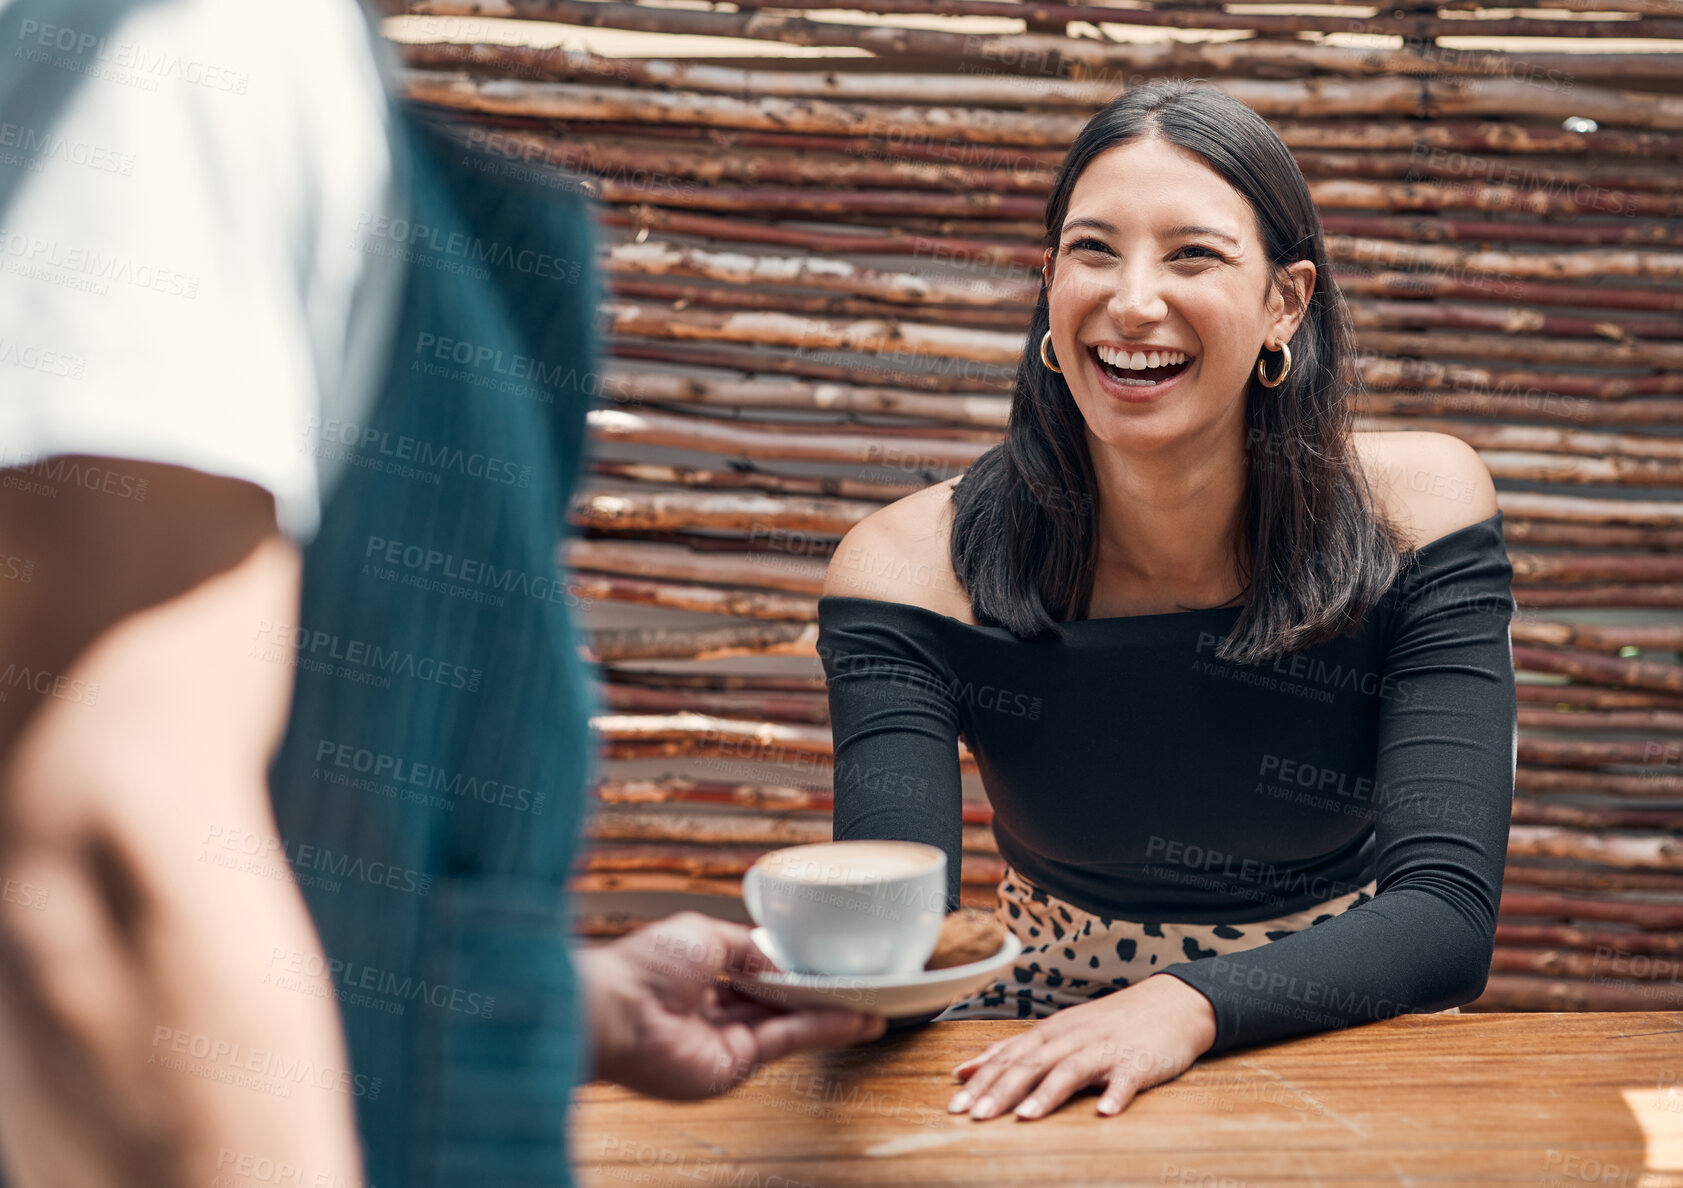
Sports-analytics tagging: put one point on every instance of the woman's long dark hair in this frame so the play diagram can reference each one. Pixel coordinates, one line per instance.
(1322, 554)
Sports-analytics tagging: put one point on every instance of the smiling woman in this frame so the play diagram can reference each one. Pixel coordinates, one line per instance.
(1188, 314)
(1261, 727)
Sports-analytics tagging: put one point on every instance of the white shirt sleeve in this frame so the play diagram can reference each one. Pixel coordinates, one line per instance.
(181, 279)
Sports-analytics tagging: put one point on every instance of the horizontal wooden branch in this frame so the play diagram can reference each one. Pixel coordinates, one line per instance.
(1656, 917)
(1507, 319)
(794, 519)
(1417, 27)
(1514, 346)
(1649, 785)
(917, 341)
(705, 828)
(1566, 936)
(1437, 229)
(741, 479)
(565, 64)
(1574, 752)
(1483, 435)
(1596, 638)
(1588, 264)
(1455, 139)
(1575, 877)
(784, 707)
(1649, 721)
(1601, 670)
(1534, 568)
(1563, 469)
(1274, 58)
(1363, 281)
(690, 596)
(1601, 968)
(1424, 164)
(984, 870)
(1543, 841)
(1516, 992)
(733, 828)
(710, 643)
(1584, 509)
(660, 258)
(1535, 406)
(694, 433)
(755, 682)
(829, 366)
(683, 294)
(1571, 696)
(635, 386)
(764, 571)
(1565, 816)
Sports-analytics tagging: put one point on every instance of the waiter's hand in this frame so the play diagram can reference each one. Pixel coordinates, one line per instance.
(1138, 1037)
(662, 1023)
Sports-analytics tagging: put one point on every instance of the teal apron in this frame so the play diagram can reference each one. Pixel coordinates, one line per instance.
(433, 780)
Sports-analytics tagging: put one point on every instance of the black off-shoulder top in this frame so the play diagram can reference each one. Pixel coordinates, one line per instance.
(1136, 776)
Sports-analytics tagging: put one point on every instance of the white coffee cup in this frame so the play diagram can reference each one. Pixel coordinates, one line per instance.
(850, 908)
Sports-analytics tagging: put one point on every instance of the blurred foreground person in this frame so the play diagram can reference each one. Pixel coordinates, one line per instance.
(292, 399)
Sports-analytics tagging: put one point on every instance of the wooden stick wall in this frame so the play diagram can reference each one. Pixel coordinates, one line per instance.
(819, 273)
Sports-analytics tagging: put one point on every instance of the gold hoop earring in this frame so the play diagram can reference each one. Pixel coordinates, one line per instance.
(1262, 376)
(1045, 341)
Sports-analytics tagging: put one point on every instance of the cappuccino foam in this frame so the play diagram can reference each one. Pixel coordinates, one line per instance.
(849, 862)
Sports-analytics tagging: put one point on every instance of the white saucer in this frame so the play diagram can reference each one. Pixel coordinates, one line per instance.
(892, 995)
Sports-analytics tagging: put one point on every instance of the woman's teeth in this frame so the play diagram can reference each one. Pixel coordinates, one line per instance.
(1138, 360)
(1142, 369)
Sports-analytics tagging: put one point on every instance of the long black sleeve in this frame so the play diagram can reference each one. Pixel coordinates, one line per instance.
(1448, 742)
(896, 723)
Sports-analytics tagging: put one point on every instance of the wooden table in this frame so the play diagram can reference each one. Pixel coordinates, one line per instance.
(1543, 1100)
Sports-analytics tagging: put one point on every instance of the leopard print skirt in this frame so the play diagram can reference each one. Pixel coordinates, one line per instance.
(1071, 956)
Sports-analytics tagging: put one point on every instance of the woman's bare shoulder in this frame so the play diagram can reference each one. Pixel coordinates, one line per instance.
(1429, 484)
(901, 553)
